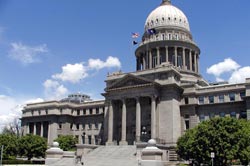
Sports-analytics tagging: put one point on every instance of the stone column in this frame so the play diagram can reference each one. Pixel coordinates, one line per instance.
(195, 62)
(190, 60)
(124, 125)
(150, 59)
(34, 130)
(183, 58)
(28, 128)
(166, 53)
(41, 132)
(144, 62)
(138, 119)
(175, 56)
(110, 124)
(153, 113)
(158, 55)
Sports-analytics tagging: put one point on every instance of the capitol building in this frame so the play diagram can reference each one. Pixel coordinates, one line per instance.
(161, 99)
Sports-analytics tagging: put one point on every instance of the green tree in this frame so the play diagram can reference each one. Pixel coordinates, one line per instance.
(10, 143)
(227, 137)
(32, 146)
(66, 142)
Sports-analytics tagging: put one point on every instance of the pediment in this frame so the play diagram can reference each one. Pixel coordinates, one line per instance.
(130, 81)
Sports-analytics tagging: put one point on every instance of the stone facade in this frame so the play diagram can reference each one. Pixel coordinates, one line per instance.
(163, 98)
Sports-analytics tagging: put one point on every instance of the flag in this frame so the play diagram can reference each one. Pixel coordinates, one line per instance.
(151, 31)
(135, 35)
(135, 42)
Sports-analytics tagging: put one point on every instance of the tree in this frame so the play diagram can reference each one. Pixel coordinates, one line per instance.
(13, 127)
(66, 142)
(227, 137)
(10, 143)
(32, 146)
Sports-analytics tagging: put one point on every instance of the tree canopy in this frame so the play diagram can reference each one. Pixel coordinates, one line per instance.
(66, 142)
(32, 146)
(10, 143)
(227, 137)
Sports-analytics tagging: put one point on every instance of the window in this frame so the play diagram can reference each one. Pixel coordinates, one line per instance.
(61, 111)
(46, 112)
(83, 126)
(222, 114)
(187, 122)
(77, 126)
(169, 36)
(97, 110)
(84, 112)
(78, 112)
(163, 36)
(201, 100)
(243, 115)
(89, 139)
(96, 125)
(211, 99)
(211, 115)
(242, 95)
(90, 126)
(232, 96)
(60, 125)
(233, 114)
(186, 100)
(71, 126)
(90, 111)
(221, 98)
(202, 118)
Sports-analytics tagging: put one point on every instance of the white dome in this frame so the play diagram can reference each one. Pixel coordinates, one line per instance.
(167, 15)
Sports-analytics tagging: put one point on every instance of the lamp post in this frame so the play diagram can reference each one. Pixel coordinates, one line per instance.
(212, 157)
(144, 133)
(2, 154)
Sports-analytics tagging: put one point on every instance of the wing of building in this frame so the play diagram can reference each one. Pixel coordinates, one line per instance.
(165, 96)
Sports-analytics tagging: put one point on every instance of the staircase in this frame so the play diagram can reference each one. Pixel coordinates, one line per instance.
(111, 156)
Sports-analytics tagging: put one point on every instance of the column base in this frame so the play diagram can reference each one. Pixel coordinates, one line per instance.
(109, 143)
(123, 143)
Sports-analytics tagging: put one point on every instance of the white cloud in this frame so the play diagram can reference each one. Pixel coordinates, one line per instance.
(75, 72)
(11, 108)
(98, 64)
(240, 75)
(237, 73)
(26, 54)
(72, 73)
(227, 65)
(54, 90)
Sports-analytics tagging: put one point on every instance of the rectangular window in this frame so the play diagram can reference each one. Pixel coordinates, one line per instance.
(97, 110)
(211, 115)
(233, 114)
(90, 111)
(232, 96)
(211, 99)
(222, 114)
(186, 100)
(201, 100)
(242, 95)
(89, 139)
(221, 98)
(60, 125)
(77, 126)
(90, 126)
(202, 118)
(187, 122)
(83, 126)
(71, 126)
(96, 125)
(84, 111)
(78, 112)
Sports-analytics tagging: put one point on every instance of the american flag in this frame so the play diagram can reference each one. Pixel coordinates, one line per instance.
(135, 35)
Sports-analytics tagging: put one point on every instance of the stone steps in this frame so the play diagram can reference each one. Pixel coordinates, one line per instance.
(111, 155)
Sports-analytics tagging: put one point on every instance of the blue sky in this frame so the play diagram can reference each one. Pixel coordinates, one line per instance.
(46, 44)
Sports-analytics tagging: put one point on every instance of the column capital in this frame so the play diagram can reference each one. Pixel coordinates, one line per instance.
(153, 97)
